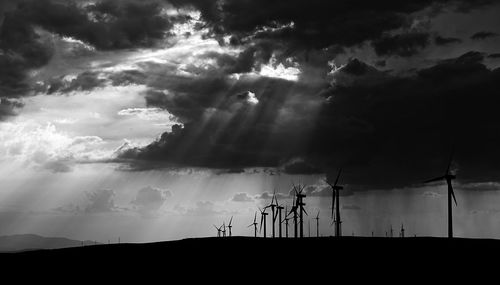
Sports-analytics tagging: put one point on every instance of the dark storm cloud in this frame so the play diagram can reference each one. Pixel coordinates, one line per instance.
(223, 131)
(108, 24)
(442, 41)
(21, 49)
(483, 35)
(401, 45)
(386, 130)
(402, 128)
(299, 166)
(316, 24)
(105, 24)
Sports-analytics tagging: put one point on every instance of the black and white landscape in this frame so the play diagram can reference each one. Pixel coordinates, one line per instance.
(141, 121)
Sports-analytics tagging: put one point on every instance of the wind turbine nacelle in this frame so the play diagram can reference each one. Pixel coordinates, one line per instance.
(451, 176)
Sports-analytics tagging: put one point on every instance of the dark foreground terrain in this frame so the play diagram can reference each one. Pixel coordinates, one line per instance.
(243, 260)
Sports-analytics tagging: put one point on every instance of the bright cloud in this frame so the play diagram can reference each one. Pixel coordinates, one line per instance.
(279, 70)
(149, 114)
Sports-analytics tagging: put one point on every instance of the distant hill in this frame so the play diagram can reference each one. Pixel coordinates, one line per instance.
(31, 242)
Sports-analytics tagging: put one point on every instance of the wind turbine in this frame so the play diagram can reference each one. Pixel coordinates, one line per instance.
(300, 203)
(336, 203)
(229, 226)
(263, 219)
(448, 177)
(293, 211)
(278, 214)
(224, 229)
(402, 233)
(254, 224)
(218, 230)
(317, 224)
(273, 206)
(286, 221)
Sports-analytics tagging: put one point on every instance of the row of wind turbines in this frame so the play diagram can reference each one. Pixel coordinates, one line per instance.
(297, 211)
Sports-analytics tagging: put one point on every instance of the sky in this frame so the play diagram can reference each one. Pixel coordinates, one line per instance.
(156, 119)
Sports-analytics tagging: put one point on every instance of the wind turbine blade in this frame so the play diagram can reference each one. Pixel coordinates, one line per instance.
(338, 176)
(261, 222)
(305, 211)
(255, 217)
(450, 188)
(333, 202)
(450, 160)
(435, 179)
(230, 221)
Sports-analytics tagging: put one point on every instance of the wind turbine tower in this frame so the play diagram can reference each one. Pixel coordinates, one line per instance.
(448, 177)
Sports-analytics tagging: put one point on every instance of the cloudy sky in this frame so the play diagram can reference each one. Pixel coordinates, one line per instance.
(154, 119)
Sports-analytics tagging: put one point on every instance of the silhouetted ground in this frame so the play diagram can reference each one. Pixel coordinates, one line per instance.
(350, 259)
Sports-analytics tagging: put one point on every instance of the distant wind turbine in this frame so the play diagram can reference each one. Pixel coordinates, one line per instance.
(263, 219)
(300, 204)
(286, 221)
(254, 224)
(448, 177)
(230, 226)
(317, 224)
(293, 211)
(273, 206)
(278, 214)
(336, 204)
(218, 230)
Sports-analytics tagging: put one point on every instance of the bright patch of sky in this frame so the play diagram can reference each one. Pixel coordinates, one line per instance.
(274, 70)
(80, 127)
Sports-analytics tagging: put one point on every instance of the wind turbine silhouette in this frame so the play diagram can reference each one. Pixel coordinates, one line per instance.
(448, 177)
(293, 211)
(218, 230)
(278, 214)
(224, 229)
(300, 204)
(254, 224)
(336, 203)
(317, 224)
(263, 219)
(286, 221)
(402, 232)
(273, 206)
(229, 226)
